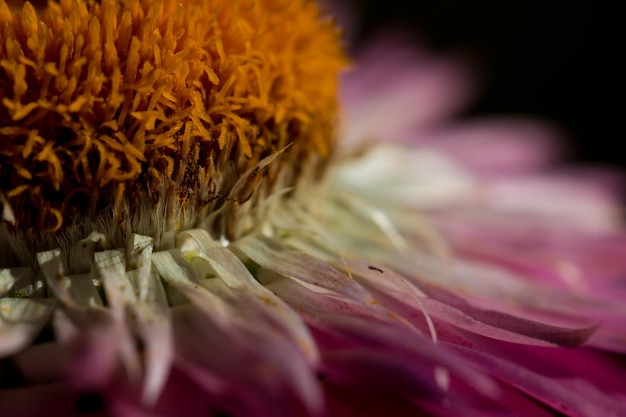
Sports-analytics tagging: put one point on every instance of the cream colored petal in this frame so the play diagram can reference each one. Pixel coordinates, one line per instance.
(20, 322)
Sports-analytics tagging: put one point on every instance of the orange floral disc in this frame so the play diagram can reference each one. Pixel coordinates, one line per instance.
(108, 107)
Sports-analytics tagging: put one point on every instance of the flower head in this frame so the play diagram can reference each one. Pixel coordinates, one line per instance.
(106, 103)
(182, 237)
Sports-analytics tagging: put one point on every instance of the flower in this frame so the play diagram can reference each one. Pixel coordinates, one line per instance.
(182, 235)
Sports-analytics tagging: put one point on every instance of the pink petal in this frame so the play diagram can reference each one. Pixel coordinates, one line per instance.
(181, 396)
(54, 400)
(347, 401)
(304, 268)
(92, 340)
(250, 367)
(603, 370)
(402, 297)
(500, 146)
(398, 89)
(359, 326)
(570, 396)
(553, 196)
(42, 363)
(516, 325)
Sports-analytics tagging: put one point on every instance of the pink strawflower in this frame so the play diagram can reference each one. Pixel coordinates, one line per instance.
(432, 267)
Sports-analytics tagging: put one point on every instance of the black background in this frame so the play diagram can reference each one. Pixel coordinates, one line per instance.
(555, 59)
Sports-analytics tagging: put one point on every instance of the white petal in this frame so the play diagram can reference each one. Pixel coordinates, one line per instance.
(10, 276)
(391, 175)
(236, 276)
(111, 267)
(20, 321)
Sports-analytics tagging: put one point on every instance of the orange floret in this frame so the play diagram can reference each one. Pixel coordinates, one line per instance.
(104, 101)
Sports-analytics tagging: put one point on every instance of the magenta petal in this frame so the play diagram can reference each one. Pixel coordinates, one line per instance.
(511, 403)
(248, 368)
(357, 326)
(553, 334)
(403, 297)
(346, 401)
(54, 400)
(370, 367)
(92, 340)
(605, 371)
(181, 396)
(406, 384)
(573, 397)
(42, 363)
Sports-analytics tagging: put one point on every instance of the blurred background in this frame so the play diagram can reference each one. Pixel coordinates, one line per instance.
(559, 60)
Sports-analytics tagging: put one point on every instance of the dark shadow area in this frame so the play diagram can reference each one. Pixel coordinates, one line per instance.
(558, 60)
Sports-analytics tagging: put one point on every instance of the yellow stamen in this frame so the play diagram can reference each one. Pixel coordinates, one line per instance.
(108, 100)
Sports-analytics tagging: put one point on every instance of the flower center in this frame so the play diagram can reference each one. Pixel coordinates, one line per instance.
(115, 108)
